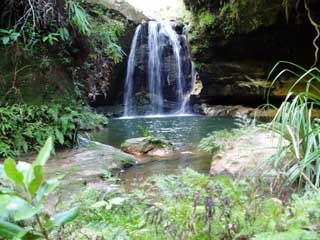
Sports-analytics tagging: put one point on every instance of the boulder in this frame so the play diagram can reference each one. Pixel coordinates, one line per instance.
(88, 163)
(233, 111)
(247, 155)
(148, 146)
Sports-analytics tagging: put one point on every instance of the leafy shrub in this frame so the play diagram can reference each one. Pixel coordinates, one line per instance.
(22, 195)
(298, 154)
(25, 128)
(193, 206)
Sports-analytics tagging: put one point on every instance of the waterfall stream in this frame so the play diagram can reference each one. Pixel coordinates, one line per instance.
(159, 72)
(128, 88)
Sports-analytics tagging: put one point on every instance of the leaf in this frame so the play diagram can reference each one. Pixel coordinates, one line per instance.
(11, 231)
(44, 153)
(5, 40)
(63, 218)
(17, 207)
(12, 172)
(59, 136)
(99, 204)
(47, 187)
(37, 180)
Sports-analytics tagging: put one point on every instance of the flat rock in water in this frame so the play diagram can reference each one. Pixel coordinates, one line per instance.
(247, 155)
(89, 163)
(148, 146)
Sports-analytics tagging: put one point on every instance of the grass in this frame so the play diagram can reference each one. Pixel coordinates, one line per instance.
(194, 206)
(298, 156)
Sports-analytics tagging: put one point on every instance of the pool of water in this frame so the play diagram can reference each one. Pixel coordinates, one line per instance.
(184, 131)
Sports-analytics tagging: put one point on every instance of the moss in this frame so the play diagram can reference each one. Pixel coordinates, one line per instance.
(212, 21)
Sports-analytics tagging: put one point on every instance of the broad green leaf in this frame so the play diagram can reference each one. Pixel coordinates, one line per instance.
(59, 136)
(37, 180)
(10, 231)
(46, 188)
(63, 218)
(44, 153)
(12, 172)
(5, 40)
(17, 207)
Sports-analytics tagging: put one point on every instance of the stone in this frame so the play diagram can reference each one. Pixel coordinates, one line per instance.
(233, 111)
(247, 155)
(148, 146)
(88, 163)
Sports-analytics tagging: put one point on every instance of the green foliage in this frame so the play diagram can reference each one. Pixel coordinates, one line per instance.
(106, 33)
(8, 36)
(144, 131)
(218, 141)
(193, 206)
(22, 194)
(25, 128)
(207, 19)
(298, 156)
(212, 20)
(78, 17)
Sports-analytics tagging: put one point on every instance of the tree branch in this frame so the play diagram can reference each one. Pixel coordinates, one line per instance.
(317, 28)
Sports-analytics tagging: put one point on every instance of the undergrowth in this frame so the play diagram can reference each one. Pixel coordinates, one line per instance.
(24, 128)
(194, 206)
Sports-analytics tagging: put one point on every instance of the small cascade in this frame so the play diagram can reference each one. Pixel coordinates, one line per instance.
(186, 98)
(128, 88)
(154, 72)
(159, 73)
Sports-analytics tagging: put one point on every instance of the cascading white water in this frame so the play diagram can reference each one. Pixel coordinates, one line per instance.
(186, 97)
(128, 89)
(154, 74)
(168, 70)
(167, 30)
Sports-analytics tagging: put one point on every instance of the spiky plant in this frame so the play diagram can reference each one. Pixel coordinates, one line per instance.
(298, 155)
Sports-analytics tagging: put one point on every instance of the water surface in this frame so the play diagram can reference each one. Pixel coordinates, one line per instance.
(185, 132)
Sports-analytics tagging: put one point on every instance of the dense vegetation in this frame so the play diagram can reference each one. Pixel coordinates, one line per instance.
(194, 206)
(55, 56)
(25, 128)
(186, 206)
(59, 46)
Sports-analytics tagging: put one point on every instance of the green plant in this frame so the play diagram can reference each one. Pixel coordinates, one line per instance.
(299, 146)
(25, 128)
(78, 17)
(22, 199)
(144, 131)
(193, 206)
(8, 35)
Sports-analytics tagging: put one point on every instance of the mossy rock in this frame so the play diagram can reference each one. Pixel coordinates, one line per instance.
(150, 146)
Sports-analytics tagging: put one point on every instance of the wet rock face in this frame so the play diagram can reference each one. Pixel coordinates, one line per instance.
(234, 66)
(148, 146)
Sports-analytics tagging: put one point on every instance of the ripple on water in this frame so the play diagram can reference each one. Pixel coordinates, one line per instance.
(184, 131)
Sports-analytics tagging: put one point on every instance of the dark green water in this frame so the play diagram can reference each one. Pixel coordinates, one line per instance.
(184, 131)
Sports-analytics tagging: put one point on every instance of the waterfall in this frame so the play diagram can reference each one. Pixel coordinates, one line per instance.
(128, 88)
(161, 71)
(154, 74)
